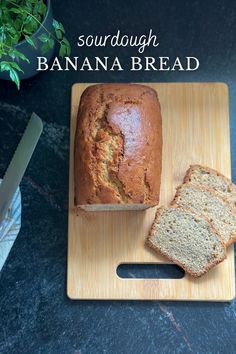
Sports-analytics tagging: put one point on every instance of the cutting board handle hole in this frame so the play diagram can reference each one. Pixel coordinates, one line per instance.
(149, 271)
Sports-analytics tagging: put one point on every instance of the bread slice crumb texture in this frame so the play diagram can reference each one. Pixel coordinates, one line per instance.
(210, 178)
(187, 239)
(207, 203)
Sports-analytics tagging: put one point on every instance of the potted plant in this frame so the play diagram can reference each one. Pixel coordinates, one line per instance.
(28, 30)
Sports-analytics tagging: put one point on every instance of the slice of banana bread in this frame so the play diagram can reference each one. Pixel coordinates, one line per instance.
(186, 239)
(208, 177)
(206, 202)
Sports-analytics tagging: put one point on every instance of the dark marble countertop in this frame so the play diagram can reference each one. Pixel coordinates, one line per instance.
(35, 314)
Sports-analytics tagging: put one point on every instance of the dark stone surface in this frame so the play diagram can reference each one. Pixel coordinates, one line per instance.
(35, 314)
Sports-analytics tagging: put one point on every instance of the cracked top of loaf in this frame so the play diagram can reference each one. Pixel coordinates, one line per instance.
(118, 145)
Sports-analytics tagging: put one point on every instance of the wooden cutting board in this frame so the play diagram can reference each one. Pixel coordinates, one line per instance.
(195, 130)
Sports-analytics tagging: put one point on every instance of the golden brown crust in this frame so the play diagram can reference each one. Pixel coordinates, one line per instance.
(156, 248)
(118, 145)
(212, 191)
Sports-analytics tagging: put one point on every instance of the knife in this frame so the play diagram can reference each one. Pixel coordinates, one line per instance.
(19, 163)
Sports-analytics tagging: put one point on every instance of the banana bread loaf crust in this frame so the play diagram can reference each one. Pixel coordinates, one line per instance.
(118, 146)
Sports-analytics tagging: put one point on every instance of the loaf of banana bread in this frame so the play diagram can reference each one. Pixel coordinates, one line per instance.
(118, 148)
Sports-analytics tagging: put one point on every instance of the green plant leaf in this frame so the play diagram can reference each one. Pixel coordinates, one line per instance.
(28, 6)
(65, 48)
(30, 41)
(13, 53)
(15, 78)
(10, 29)
(59, 34)
(40, 8)
(45, 47)
(51, 43)
(15, 10)
(4, 66)
(43, 8)
(66, 43)
(2, 52)
(48, 42)
(62, 50)
(30, 25)
(12, 68)
(14, 65)
(18, 23)
(3, 35)
(44, 38)
(58, 26)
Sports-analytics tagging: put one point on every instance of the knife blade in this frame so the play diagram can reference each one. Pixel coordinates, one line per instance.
(19, 163)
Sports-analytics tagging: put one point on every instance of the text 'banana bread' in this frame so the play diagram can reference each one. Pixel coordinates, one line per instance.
(118, 148)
